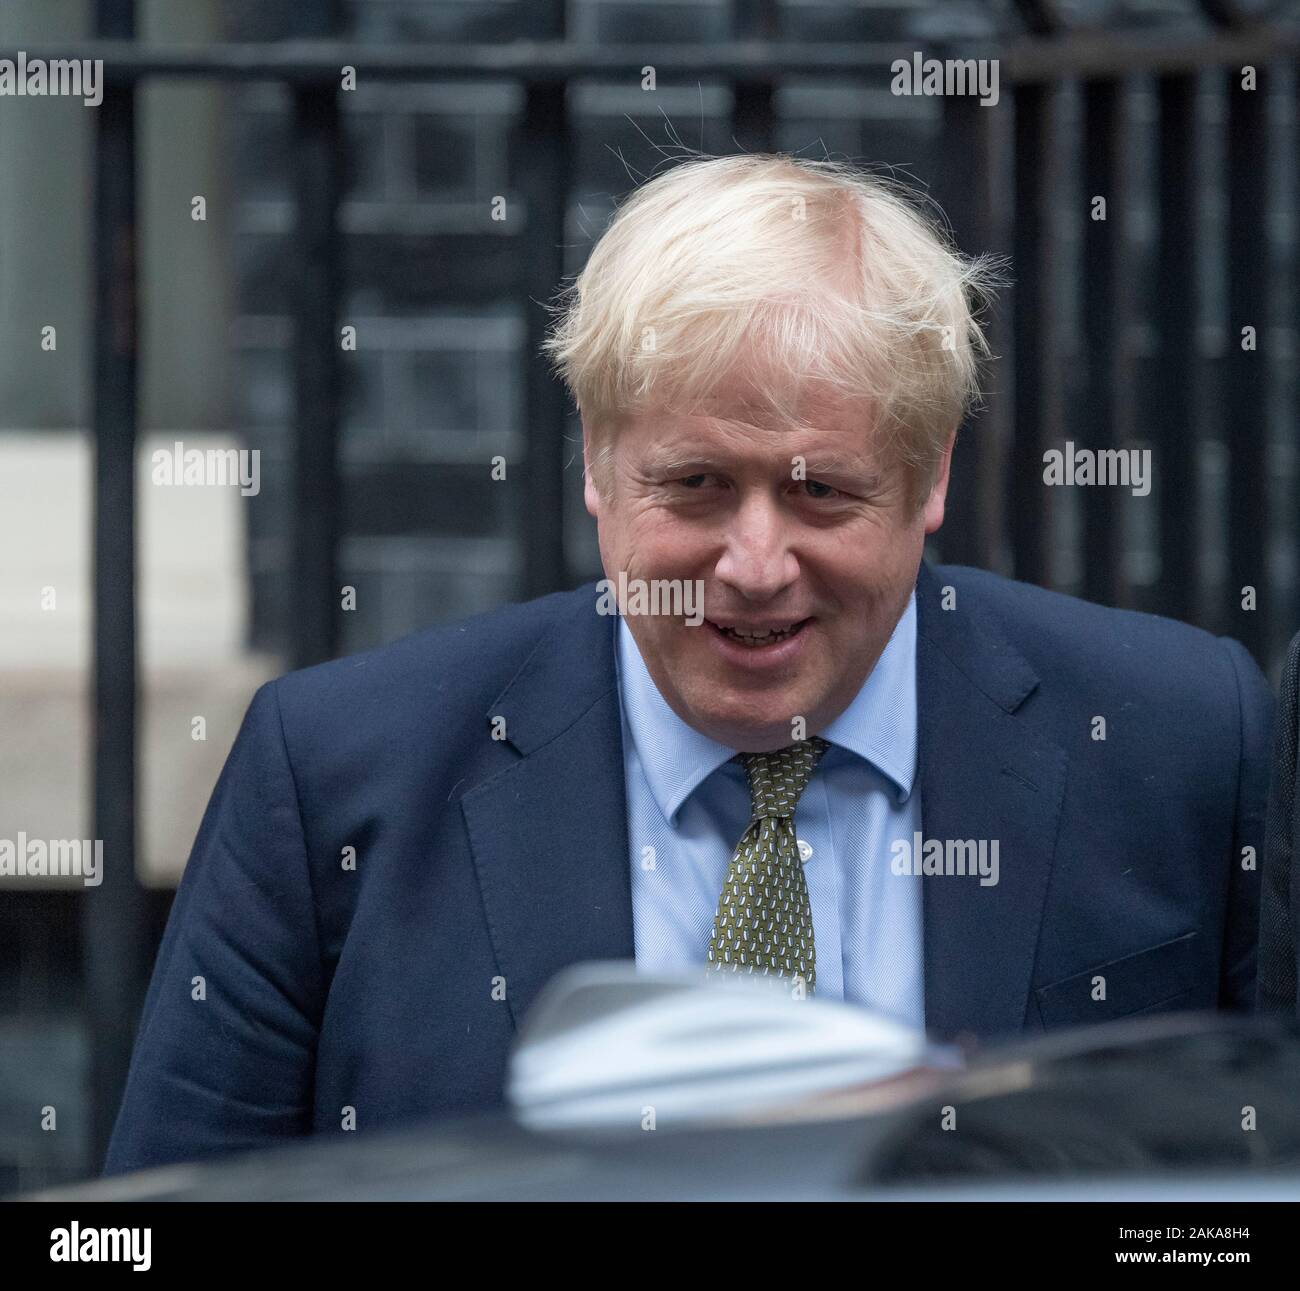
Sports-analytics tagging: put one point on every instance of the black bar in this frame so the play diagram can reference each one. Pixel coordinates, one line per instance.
(1151, 52)
(1024, 61)
(1043, 17)
(316, 591)
(115, 914)
(1178, 428)
(1107, 405)
(753, 112)
(544, 178)
(1037, 380)
(543, 20)
(969, 189)
(752, 116)
(1246, 372)
(553, 62)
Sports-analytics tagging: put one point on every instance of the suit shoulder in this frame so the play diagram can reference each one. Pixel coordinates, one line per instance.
(466, 662)
(1111, 647)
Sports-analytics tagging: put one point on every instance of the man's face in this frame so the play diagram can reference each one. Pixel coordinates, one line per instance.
(823, 564)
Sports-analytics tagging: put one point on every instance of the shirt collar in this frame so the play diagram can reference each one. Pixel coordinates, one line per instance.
(879, 725)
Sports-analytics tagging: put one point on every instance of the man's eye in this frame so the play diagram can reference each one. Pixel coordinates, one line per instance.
(816, 489)
(693, 481)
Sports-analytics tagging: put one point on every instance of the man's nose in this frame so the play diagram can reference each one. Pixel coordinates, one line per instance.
(757, 562)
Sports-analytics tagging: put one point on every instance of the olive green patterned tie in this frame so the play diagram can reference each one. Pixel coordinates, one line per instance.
(764, 920)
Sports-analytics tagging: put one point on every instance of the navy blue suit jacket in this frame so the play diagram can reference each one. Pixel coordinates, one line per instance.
(290, 987)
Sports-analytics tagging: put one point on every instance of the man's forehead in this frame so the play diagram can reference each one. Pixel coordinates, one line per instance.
(845, 440)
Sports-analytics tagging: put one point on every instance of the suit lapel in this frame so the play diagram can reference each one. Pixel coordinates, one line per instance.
(987, 773)
(549, 833)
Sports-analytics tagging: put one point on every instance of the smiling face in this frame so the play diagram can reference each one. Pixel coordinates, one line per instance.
(805, 570)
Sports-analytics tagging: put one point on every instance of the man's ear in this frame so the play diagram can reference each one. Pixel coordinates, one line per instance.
(934, 504)
(590, 494)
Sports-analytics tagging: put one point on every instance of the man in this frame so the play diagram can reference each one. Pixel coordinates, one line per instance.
(964, 802)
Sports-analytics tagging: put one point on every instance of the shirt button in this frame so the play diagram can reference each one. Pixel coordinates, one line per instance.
(805, 851)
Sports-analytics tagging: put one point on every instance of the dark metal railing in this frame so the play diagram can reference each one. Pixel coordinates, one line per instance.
(116, 952)
(317, 183)
(1000, 518)
(1178, 376)
(1247, 374)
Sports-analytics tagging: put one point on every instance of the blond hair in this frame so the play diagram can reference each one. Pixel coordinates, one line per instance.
(797, 276)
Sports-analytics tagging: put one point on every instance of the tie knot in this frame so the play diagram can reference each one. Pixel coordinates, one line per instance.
(777, 779)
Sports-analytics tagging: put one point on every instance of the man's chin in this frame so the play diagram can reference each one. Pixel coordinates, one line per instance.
(740, 727)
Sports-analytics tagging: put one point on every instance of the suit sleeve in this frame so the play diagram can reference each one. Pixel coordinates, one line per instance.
(1277, 950)
(225, 1051)
(1241, 926)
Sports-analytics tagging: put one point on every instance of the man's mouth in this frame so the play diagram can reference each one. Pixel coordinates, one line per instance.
(755, 636)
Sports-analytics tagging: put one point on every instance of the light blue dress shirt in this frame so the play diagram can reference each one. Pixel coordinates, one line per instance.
(688, 804)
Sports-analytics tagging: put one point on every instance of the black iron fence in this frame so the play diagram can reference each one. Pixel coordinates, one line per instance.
(997, 178)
